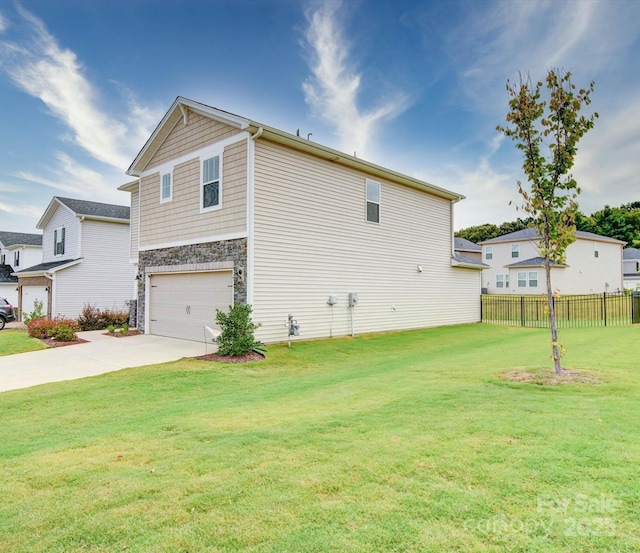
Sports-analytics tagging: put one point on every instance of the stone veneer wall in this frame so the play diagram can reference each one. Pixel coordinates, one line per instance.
(229, 251)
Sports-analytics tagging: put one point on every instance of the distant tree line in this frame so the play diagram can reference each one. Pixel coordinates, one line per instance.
(621, 222)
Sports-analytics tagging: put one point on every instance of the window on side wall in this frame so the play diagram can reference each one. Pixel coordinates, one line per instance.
(373, 201)
(488, 252)
(499, 281)
(166, 188)
(522, 280)
(596, 251)
(16, 258)
(533, 279)
(211, 186)
(515, 250)
(58, 241)
(506, 280)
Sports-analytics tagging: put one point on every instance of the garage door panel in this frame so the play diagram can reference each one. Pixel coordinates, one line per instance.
(181, 304)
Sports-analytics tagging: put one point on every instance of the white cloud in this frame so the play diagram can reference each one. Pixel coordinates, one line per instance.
(43, 69)
(4, 23)
(20, 210)
(332, 91)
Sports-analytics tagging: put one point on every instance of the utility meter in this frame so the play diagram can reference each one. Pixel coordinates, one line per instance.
(353, 299)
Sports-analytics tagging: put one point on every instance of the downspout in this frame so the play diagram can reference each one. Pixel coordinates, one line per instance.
(251, 181)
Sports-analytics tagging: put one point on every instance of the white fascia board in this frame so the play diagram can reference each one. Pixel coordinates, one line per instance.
(191, 241)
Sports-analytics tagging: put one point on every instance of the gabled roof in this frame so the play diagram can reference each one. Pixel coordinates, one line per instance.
(6, 276)
(90, 210)
(50, 267)
(532, 234)
(180, 110)
(463, 244)
(534, 262)
(19, 239)
(631, 253)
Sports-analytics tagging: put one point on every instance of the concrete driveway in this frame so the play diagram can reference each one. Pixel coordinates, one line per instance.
(101, 354)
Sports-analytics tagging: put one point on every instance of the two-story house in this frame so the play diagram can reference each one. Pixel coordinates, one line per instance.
(225, 209)
(593, 265)
(85, 259)
(18, 250)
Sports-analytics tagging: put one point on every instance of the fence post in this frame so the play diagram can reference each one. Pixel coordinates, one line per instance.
(604, 307)
(522, 317)
(635, 307)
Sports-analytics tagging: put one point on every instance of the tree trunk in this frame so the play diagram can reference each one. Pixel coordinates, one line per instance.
(555, 347)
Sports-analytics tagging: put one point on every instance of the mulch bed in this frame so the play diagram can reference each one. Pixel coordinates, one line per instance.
(251, 356)
(549, 378)
(116, 334)
(55, 344)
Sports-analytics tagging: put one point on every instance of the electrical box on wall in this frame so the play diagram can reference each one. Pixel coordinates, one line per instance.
(333, 299)
(353, 299)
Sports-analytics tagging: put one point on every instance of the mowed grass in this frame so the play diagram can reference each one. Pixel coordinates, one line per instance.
(407, 441)
(13, 340)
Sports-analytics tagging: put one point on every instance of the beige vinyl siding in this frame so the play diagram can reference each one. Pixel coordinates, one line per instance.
(312, 240)
(104, 276)
(199, 132)
(135, 224)
(62, 217)
(180, 219)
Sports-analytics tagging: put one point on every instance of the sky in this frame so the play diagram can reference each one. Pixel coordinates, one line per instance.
(417, 86)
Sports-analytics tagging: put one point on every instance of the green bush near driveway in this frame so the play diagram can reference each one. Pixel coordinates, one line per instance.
(408, 441)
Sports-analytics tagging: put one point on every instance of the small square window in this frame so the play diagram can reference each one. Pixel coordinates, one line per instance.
(373, 201)
(515, 250)
(488, 253)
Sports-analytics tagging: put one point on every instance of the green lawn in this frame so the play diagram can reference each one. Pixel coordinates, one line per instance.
(13, 340)
(397, 442)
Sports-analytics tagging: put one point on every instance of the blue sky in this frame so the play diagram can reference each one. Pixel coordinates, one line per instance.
(414, 85)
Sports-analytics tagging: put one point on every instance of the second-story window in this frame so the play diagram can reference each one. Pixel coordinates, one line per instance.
(58, 241)
(166, 191)
(488, 252)
(596, 251)
(373, 201)
(210, 183)
(515, 250)
(16, 258)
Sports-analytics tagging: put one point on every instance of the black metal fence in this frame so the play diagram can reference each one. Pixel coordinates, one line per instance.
(607, 309)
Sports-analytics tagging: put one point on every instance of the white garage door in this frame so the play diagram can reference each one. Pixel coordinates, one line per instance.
(29, 296)
(180, 304)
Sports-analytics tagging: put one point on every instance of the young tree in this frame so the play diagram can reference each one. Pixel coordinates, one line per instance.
(547, 132)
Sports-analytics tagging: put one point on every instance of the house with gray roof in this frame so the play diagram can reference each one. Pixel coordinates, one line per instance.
(631, 264)
(85, 259)
(18, 250)
(593, 265)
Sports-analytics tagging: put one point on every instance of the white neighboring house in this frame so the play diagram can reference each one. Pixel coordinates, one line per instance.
(631, 261)
(18, 250)
(593, 265)
(227, 210)
(85, 259)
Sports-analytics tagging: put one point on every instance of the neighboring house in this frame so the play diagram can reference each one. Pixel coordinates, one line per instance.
(85, 259)
(229, 210)
(631, 263)
(593, 265)
(18, 250)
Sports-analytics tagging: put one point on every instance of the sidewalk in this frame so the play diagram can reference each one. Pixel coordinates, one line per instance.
(101, 354)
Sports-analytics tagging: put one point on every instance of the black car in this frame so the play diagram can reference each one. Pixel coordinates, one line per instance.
(6, 313)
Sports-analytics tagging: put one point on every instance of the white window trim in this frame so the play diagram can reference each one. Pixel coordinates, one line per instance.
(500, 281)
(515, 248)
(208, 153)
(367, 201)
(170, 196)
(596, 251)
(529, 279)
(58, 233)
(488, 252)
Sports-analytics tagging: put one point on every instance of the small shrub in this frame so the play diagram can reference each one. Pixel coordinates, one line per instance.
(37, 313)
(40, 328)
(111, 329)
(62, 333)
(124, 329)
(113, 317)
(237, 336)
(89, 318)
